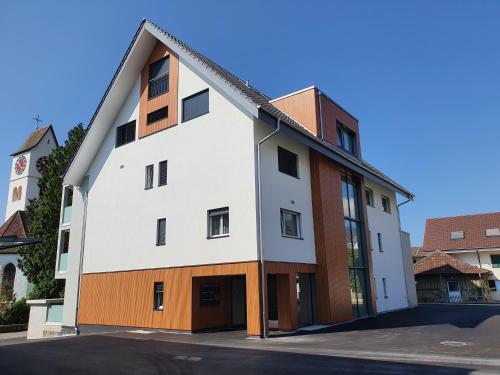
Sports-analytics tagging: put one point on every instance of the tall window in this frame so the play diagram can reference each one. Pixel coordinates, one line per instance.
(379, 239)
(161, 229)
(287, 162)
(384, 284)
(158, 78)
(218, 222)
(162, 174)
(195, 105)
(356, 252)
(148, 181)
(290, 224)
(158, 296)
(369, 197)
(386, 204)
(125, 134)
(346, 139)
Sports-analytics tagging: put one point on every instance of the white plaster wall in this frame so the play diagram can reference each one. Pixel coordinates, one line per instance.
(21, 285)
(485, 256)
(389, 263)
(280, 190)
(210, 165)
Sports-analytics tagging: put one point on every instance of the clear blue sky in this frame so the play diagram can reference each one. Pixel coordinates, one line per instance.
(423, 77)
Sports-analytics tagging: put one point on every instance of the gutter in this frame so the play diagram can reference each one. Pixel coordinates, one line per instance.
(320, 116)
(261, 241)
(82, 249)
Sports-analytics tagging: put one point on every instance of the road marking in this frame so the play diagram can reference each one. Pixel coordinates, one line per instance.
(454, 343)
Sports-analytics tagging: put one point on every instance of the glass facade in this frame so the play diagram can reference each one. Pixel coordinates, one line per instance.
(356, 251)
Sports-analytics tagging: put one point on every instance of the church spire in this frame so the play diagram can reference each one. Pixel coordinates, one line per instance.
(37, 119)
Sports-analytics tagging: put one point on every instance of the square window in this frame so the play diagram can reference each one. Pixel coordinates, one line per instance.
(125, 134)
(386, 204)
(288, 162)
(161, 229)
(148, 183)
(195, 105)
(369, 197)
(158, 296)
(218, 222)
(495, 261)
(290, 224)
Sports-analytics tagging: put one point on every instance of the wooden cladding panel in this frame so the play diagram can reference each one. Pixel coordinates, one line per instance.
(302, 107)
(126, 298)
(170, 98)
(332, 277)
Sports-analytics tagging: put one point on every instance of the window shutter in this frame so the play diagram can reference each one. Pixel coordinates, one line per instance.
(195, 105)
(162, 177)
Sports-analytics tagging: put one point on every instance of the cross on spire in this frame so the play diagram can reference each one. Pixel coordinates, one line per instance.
(37, 119)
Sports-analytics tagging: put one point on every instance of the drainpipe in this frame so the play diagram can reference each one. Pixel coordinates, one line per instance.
(82, 248)
(261, 249)
(320, 116)
(403, 255)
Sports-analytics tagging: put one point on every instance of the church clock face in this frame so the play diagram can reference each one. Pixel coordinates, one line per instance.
(41, 164)
(20, 165)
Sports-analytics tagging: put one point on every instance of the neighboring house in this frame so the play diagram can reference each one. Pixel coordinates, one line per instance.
(472, 239)
(443, 278)
(417, 254)
(190, 185)
(28, 162)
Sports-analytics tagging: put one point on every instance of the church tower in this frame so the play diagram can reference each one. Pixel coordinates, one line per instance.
(28, 163)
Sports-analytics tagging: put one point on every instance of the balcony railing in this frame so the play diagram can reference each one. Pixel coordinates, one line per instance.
(63, 262)
(67, 215)
(157, 86)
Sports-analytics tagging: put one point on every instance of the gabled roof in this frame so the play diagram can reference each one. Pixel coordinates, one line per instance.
(439, 263)
(416, 252)
(438, 232)
(15, 228)
(34, 139)
(249, 98)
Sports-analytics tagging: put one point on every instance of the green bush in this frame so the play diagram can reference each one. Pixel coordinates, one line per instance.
(18, 313)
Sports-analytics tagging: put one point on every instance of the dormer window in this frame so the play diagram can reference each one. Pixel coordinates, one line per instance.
(346, 139)
(158, 78)
(494, 232)
(458, 235)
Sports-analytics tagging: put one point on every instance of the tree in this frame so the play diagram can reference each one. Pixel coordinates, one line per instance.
(38, 261)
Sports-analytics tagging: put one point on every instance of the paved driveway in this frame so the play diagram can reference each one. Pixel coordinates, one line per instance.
(428, 339)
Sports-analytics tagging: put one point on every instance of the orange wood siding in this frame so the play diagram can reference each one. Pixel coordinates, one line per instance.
(170, 98)
(332, 277)
(126, 298)
(302, 107)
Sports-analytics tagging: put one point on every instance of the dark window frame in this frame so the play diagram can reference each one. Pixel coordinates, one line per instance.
(159, 223)
(298, 215)
(127, 139)
(387, 207)
(282, 168)
(379, 240)
(148, 183)
(156, 111)
(163, 164)
(495, 263)
(218, 212)
(344, 130)
(157, 306)
(199, 93)
(370, 201)
(159, 78)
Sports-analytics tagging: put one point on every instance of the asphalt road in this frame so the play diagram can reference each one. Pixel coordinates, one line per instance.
(98, 354)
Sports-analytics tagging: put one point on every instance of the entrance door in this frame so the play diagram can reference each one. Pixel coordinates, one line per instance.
(238, 302)
(306, 298)
(272, 301)
(454, 294)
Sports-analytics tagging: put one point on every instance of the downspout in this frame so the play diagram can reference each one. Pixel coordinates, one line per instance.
(320, 116)
(403, 255)
(261, 250)
(82, 248)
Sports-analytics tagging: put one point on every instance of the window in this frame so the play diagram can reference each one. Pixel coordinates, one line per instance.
(386, 204)
(379, 238)
(162, 174)
(492, 285)
(458, 235)
(218, 222)
(148, 183)
(287, 162)
(195, 105)
(158, 78)
(290, 224)
(493, 232)
(158, 296)
(384, 285)
(161, 228)
(209, 295)
(356, 249)
(125, 134)
(17, 193)
(64, 242)
(495, 261)
(346, 139)
(157, 115)
(369, 197)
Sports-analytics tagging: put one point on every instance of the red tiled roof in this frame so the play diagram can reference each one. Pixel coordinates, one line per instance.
(439, 262)
(416, 252)
(15, 226)
(438, 230)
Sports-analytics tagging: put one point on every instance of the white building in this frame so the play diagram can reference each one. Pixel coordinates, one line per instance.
(191, 185)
